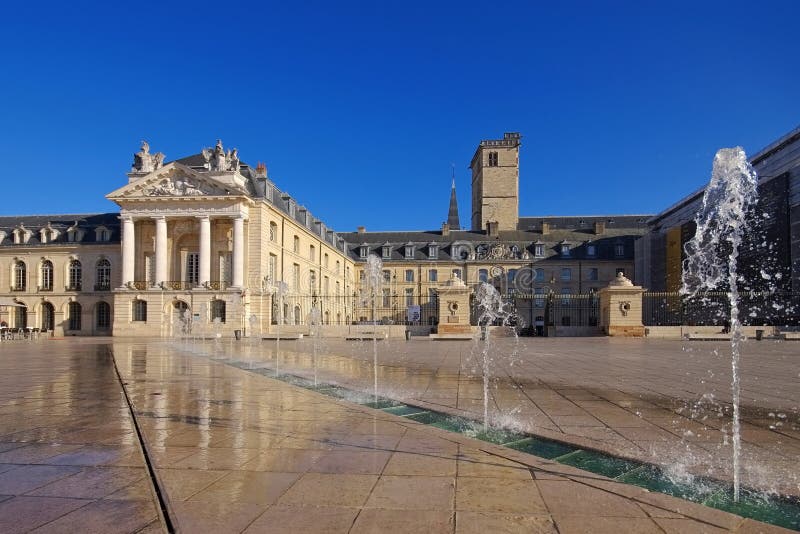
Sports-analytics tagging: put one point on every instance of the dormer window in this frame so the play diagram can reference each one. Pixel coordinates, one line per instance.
(21, 235)
(102, 234)
(363, 251)
(538, 250)
(619, 249)
(433, 251)
(565, 249)
(74, 235)
(386, 252)
(591, 250)
(409, 252)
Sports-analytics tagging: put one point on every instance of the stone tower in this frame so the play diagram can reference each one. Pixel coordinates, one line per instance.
(495, 183)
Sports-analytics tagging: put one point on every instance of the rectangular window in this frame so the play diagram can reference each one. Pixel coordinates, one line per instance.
(565, 249)
(386, 298)
(409, 297)
(296, 245)
(409, 252)
(538, 250)
(326, 286)
(591, 250)
(539, 275)
(362, 252)
(566, 274)
(386, 252)
(193, 268)
(538, 299)
(312, 252)
(312, 280)
(457, 273)
(149, 269)
(325, 260)
(433, 251)
(296, 276)
(273, 268)
(619, 250)
(140, 310)
(225, 267)
(409, 275)
(592, 274)
(433, 275)
(565, 293)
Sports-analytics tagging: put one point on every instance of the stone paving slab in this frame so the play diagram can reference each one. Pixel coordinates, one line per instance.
(69, 457)
(352, 469)
(658, 401)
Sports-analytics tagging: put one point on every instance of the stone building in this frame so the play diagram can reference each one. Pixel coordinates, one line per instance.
(205, 242)
(527, 258)
(772, 243)
(57, 272)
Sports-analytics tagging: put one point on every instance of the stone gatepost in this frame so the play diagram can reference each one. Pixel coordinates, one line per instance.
(621, 308)
(454, 307)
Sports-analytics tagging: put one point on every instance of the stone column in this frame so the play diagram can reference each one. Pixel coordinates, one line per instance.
(205, 250)
(161, 251)
(238, 252)
(128, 250)
(621, 308)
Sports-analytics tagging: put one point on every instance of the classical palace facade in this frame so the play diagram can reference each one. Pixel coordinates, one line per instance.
(209, 244)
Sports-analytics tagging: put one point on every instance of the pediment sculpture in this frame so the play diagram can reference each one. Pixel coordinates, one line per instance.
(179, 186)
(144, 161)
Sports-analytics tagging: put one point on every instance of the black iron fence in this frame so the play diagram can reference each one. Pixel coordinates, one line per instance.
(712, 308)
(391, 309)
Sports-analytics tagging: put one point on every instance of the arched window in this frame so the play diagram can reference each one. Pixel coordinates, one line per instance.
(297, 315)
(218, 310)
(20, 317)
(103, 316)
(75, 276)
(103, 276)
(48, 317)
(140, 310)
(47, 275)
(74, 311)
(20, 276)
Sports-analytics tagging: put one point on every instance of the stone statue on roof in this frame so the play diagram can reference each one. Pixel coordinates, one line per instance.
(144, 161)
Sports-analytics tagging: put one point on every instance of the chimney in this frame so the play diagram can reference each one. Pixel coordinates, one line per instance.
(492, 228)
(545, 228)
(599, 227)
(261, 170)
(445, 229)
(362, 229)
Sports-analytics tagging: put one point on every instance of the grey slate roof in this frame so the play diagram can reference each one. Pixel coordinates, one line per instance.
(87, 222)
(453, 246)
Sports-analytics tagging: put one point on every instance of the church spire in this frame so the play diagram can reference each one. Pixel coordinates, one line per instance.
(452, 213)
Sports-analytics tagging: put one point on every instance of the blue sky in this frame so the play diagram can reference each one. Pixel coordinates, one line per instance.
(359, 109)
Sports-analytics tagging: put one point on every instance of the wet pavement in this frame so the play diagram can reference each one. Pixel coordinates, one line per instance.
(657, 401)
(234, 451)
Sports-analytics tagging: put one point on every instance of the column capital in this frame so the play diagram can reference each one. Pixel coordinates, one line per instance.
(159, 217)
(126, 218)
(202, 217)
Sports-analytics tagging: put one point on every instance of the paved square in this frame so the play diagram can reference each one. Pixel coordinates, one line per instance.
(216, 436)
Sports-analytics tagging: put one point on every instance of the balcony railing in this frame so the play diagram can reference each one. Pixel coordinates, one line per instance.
(45, 288)
(178, 285)
(74, 287)
(104, 286)
(18, 288)
(217, 285)
(141, 285)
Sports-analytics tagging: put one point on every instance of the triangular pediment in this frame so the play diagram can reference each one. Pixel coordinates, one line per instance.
(174, 181)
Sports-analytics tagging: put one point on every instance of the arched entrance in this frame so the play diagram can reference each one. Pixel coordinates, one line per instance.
(48, 317)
